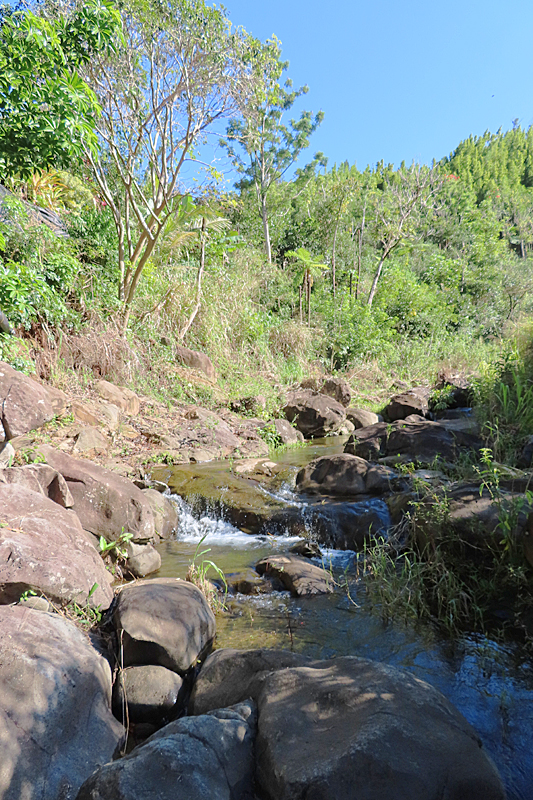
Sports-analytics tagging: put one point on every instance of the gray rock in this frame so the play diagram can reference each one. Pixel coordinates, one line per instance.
(314, 414)
(344, 475)
(361, 418)
(229, 676)
(40, 478)
(106, 503)
(337, 388)
(165, 512)
(24, 403)
(297, 574)
(150, 693)
(286, 432)
(43, 548)
(402, 405)
(91, 438)
(7, 454)
(119, 396)
(419, 441)
(142, 559)
(208, 757)
(164, 621)
(56, 725)
(351, 728)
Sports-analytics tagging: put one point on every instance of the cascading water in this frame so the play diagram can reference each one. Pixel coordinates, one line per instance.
(492, 685)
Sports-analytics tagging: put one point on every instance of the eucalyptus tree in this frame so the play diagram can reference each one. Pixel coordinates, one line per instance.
(181, 71)
(260, 145)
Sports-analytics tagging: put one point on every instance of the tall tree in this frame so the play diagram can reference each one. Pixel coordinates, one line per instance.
(47, 112)
(397, 210)
(261, 147)
(181, 71)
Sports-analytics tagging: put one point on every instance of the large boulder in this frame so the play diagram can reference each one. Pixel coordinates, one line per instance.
(314, 414)
(164, 621)
(196, 360)
(352, 729)
(360, 417)
(286, 433)
(43, 548)
(150, 693)
(165, 513)
(120, 396)
(421, 441)
(415, 401)
(473, 513)
(106, 503)
(24, 403)
(229, 676)
(208, 757)
(40, 478)
(344, 475)
(299, 575)
(339, 389)
(56, 725)
(349, 728)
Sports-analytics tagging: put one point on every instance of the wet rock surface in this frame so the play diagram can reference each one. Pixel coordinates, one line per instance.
(297, 574)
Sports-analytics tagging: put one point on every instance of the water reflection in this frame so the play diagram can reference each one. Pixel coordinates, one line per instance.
(490, 684)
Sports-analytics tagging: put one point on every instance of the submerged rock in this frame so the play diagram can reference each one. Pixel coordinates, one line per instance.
(297, 574)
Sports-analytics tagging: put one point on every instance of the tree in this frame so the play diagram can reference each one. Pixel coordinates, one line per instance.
(191, 224)
(309, 269)
(396, 211)
(270, 147)
(181, 71)
(47, 112)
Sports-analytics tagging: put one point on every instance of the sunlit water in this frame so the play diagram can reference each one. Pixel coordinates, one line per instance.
(490, 684)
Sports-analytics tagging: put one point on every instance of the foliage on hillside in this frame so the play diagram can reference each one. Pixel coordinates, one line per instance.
(390, 270)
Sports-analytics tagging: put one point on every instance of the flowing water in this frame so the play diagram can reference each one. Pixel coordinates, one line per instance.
(491, 684)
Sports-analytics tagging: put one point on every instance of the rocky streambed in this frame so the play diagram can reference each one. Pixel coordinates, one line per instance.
(307, 694)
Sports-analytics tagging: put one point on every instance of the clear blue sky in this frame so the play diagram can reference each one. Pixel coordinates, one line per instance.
(402, 80)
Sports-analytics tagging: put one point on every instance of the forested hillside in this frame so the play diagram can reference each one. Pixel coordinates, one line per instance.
(403, 268)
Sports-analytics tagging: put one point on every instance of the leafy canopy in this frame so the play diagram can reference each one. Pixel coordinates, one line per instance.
(47, 112)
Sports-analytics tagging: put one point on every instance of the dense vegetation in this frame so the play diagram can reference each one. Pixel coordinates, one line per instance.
(388, 270)
(387, 273)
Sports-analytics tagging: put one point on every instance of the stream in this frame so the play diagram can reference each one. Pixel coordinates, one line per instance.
(491, 684)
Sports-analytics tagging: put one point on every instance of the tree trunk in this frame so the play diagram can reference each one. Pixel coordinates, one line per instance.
(266, 230)
(199, 277)
(376, 279)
